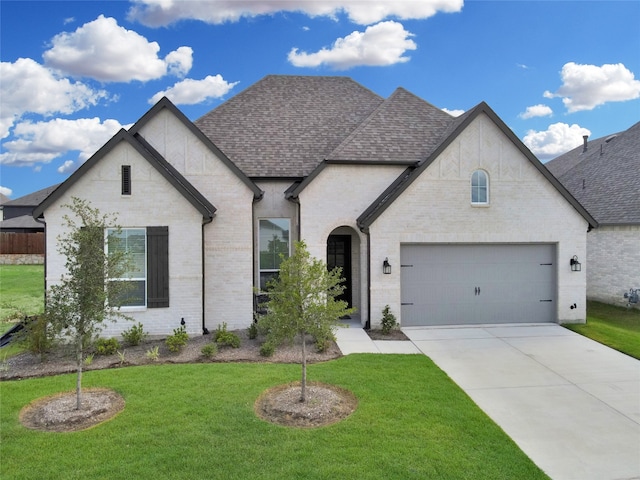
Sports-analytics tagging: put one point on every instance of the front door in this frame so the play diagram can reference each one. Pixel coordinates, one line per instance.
(339, 255)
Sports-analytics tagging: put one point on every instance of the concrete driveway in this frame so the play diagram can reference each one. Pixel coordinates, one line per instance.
(571, 404)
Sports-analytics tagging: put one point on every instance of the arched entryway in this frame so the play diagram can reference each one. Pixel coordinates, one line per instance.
(343, 250)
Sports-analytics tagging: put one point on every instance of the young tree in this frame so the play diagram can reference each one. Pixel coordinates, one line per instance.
(302, 302)
(79, 305)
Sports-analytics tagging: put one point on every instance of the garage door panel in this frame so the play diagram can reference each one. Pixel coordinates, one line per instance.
(473, 284)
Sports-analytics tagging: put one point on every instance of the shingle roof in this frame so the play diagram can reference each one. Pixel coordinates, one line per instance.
(605, 178)
(32, 199)
(21, 222)
(403, 128)
(284, 126)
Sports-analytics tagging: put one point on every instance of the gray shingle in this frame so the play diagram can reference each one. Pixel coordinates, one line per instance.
(605, 178)
(284, 126)
(403, 128)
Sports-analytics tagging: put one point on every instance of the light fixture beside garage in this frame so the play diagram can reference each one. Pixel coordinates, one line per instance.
(576, 266)
(386, 266)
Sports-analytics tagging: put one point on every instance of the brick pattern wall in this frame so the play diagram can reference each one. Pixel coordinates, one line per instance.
(228, 239)
(153, 202)
(524, 208)
(613, 263)
(335, 199)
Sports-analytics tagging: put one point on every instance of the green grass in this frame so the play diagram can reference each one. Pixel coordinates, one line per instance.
(197, 421)
(616, 327)
(21, 291)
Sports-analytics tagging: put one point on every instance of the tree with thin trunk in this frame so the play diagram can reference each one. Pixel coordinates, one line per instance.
(85, 298)
(303, 302)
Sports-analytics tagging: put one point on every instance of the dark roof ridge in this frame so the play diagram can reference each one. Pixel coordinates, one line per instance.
(159, 163)
(366, 219)
(163, 103)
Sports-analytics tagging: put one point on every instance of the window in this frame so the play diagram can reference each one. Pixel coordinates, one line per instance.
(273, 242)
(479, 188)
(126, 179)
(148, 250)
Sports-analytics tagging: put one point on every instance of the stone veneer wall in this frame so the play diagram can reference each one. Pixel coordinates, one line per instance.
(22, 259)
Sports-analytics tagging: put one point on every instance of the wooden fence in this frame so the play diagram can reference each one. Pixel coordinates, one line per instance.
(21, 243)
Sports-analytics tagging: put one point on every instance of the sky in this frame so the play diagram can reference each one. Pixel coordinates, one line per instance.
(74, 72)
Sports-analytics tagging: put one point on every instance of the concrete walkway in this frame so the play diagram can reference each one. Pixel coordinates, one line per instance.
(571, 404)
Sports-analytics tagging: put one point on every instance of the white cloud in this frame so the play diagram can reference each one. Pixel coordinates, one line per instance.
(382, 44)
(6, 191)
(585, 87)
(103, 50)
(156, 13)
(190, 92)
(69, 166)
(539, 110)
(42, 142)
(27, 86)
(454, 112)
(556, 140)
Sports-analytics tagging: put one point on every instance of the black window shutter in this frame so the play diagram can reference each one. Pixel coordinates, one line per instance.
(157, 267)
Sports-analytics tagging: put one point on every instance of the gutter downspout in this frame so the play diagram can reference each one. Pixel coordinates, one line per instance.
(365, 230)
(44, 280)
(205, 331)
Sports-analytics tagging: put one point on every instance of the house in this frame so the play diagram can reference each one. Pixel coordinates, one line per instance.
(17, 214)
(470, 226)
(604, 175)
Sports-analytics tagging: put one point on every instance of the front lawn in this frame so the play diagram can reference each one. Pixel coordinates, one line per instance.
(616, 327)
(21, 292)
(197, 421)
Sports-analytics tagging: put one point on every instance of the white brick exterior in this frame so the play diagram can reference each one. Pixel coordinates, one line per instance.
(334, 199)
(148, 205)
(613, 259)
(229, 238)
(436, 208)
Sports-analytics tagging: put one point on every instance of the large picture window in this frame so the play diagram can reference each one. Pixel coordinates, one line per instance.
(479, 188)
(273, 242)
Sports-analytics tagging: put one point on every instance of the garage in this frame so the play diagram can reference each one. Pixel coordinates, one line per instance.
(477, 284)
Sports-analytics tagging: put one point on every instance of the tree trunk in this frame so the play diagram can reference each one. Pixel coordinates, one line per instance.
(79, 376)
(303, 392)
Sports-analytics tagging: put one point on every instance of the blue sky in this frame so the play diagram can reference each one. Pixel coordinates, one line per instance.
(74, 73)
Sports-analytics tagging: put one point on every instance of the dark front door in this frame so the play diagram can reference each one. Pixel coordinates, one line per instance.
(339, 255)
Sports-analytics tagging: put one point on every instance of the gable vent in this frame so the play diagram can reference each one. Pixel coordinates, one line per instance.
(126, 179)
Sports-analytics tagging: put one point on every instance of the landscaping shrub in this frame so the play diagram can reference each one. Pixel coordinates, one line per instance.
(178, 340)
(389, 321)
(209, 350)
(107, 346)
(267, 349)
(253, 331)
(223, 337)
(37, 336)
(134, 335)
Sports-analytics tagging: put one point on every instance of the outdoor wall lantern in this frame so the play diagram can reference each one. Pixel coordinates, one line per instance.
(576, 266)
(386, 266)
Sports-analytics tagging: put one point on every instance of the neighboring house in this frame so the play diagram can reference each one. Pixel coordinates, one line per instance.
(17, 214)
(604, 175)
(473, 228)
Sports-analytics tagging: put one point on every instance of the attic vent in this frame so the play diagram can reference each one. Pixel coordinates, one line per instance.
(610, 138)
(126, 179)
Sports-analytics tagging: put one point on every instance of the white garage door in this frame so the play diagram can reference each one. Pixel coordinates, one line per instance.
(475, 284)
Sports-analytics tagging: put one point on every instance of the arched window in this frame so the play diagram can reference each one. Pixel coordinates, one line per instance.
(479, 188)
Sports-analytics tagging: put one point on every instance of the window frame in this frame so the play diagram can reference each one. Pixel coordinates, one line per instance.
(143, 306)
(477, 188)
(271, 272)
